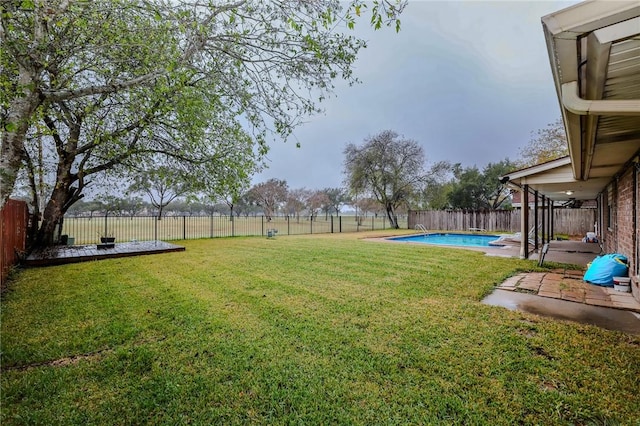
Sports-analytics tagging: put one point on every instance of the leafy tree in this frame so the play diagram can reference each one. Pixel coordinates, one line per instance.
(162, 185)
(269, 195)
(545, 144)
(202, 205)
(368, 205)
(191, 206)
(243, 205)
(122, 206)
(387, 167)
(337, 197)
(478, 190)
(439, 183)
(497, 193)
(224, 209)
(119, 83)
(468, 190)
(82, 207)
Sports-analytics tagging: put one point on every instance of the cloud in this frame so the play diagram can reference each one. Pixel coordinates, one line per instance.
(468, 80)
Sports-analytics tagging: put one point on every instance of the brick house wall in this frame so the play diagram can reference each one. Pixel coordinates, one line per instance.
(620, 209)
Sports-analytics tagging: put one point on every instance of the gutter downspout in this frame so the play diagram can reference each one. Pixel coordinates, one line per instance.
(634, 236)
(572, 101)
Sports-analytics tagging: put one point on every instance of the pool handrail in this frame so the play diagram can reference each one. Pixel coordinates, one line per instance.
(422, 228)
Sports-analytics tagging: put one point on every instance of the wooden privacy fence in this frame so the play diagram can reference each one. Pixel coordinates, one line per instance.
(565, 221)
(13, 227)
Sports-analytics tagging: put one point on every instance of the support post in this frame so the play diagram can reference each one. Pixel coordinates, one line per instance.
(524, 221)
(535, 218)
(550, 221)
(544, 219)
(106, 232)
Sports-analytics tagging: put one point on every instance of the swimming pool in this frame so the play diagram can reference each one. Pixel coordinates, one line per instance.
(466, 240)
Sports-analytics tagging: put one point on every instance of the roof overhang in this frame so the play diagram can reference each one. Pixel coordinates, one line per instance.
(594, 51)
(554, 179)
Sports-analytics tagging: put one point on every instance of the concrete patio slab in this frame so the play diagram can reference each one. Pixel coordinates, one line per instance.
(601, 316)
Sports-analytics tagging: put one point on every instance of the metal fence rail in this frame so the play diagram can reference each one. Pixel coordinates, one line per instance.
(88, 230)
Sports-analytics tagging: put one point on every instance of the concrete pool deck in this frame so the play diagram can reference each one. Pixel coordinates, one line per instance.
(570, 252)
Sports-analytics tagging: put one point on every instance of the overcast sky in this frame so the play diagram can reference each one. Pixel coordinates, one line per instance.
(468, 80)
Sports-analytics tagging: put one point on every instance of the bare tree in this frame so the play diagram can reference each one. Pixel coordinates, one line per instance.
(269, 195)
(296, 202)
(316, 201)
(337, 197)
(545, 144)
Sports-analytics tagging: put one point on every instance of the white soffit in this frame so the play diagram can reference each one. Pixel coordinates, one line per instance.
(582, 18)
(619, 31)
(515, 176)
(594, 51)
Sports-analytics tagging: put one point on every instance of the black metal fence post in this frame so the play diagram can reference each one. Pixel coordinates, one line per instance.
(288, 225)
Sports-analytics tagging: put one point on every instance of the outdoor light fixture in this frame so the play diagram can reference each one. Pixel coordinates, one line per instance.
(569, 192)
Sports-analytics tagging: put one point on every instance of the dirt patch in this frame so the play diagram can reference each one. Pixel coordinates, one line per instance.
(61, 362)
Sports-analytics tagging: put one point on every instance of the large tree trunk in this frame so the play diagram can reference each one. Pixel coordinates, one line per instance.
(62, 197)
(14, 129)
(53, 213)
(391, 214)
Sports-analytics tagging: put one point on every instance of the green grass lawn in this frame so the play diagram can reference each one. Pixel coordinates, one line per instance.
(321, 329)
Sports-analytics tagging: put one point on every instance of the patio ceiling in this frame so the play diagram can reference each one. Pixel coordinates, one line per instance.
(555, 180)
(594, 51)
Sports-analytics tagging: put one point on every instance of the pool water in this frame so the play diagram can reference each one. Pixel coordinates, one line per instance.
(466, 240)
